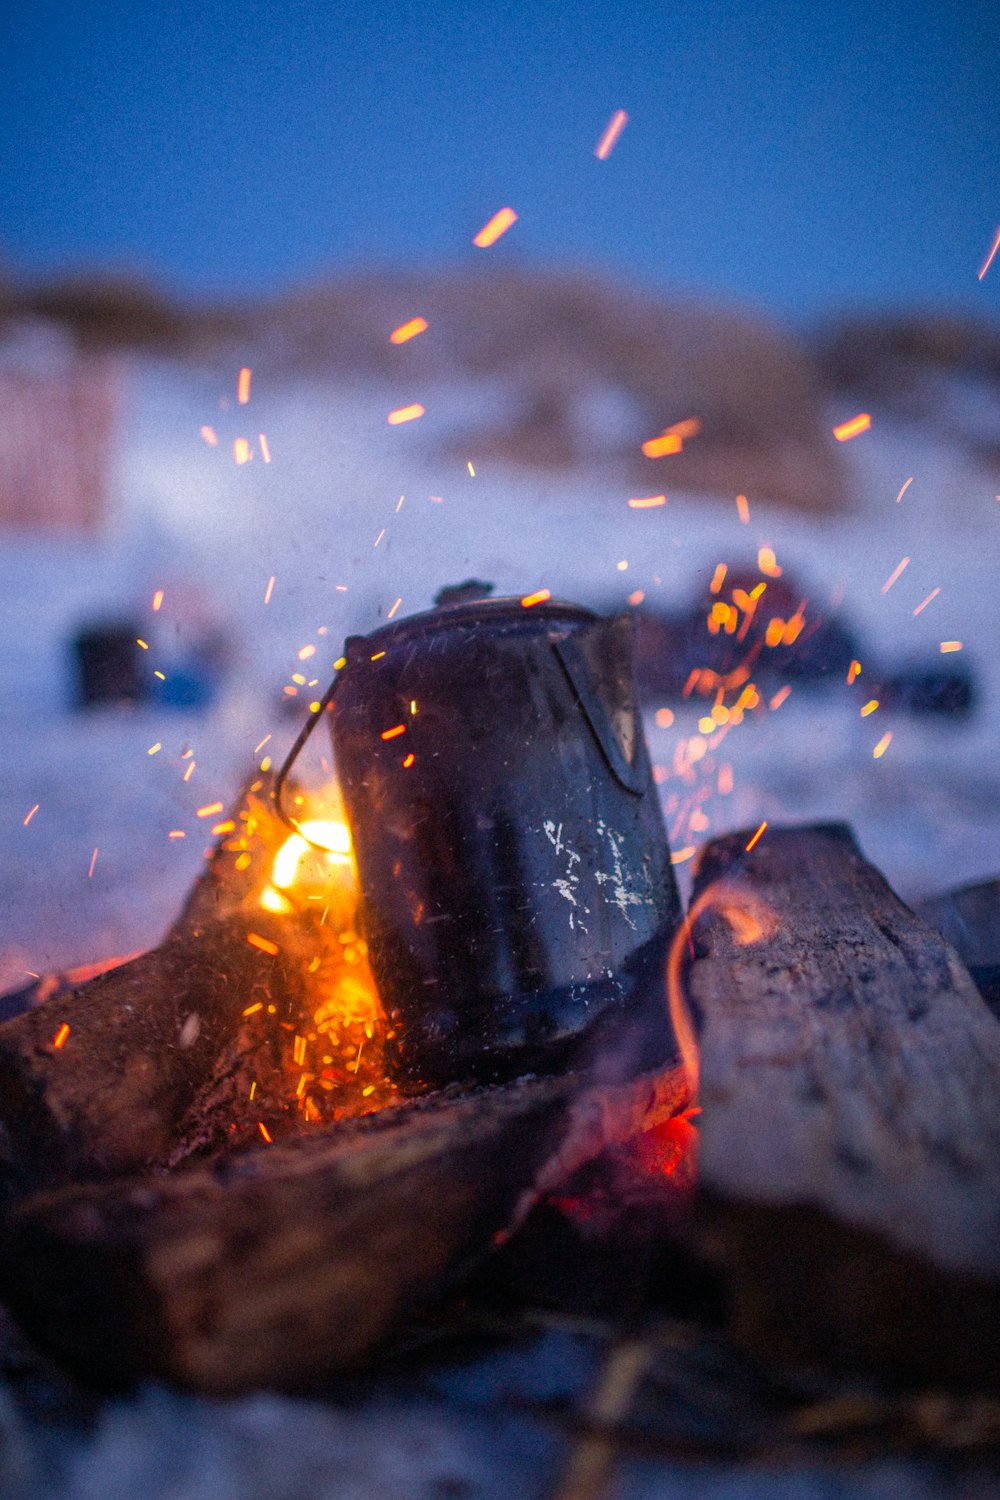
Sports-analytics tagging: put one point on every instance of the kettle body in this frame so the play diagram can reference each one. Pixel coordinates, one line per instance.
(516, 890)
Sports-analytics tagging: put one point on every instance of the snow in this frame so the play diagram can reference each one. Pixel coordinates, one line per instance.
(351, 515)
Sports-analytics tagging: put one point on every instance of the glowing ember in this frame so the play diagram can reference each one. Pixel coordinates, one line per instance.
(853, 428)
(264, 944)
(612, 131)
(407, 331)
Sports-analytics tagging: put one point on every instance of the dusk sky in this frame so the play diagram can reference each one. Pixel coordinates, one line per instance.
(799, 157)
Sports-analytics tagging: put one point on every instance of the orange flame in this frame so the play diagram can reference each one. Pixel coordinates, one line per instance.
(751, 919)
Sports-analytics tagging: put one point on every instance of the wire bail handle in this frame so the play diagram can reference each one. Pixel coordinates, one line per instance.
(297, 747)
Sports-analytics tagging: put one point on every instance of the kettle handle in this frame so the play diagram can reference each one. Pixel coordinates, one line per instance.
(298, 746)
(574, 663)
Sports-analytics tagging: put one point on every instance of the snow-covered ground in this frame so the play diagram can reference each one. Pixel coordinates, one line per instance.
(350, 515)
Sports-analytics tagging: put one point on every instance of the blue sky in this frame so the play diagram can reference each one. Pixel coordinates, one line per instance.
(797, 157)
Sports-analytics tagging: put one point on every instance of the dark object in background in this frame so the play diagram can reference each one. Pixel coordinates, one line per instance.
(818, 653)
(969, 918)
(108, 669)
(517, 894)
(923, 689)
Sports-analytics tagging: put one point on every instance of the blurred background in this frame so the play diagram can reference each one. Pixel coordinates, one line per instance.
(225, 442)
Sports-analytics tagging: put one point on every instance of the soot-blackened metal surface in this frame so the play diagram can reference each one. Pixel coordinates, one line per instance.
(516, 885)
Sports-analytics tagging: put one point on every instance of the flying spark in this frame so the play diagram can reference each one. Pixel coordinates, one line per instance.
(407, 331)
(59, 1040)
(394, 608)
(209, 810)
(31, 814)
(903, 491)
(667, 442)
(743, 509)
(405, 414)
(93, 862)
(853, 428)
(989, 259)
(269, 590)
(241, 451)
(264, 1131)
(243, 387)
(208, 436)
(756, 836)
(157, 601)
(647, 502)
(882, 745)
(947, 646)
(154, 749)
(853, 671)
(612, 131)
(391, 734)
(894, 575)
(498, 225)
(265, 451)
(924, 602)
(869, 707)
(529, 600)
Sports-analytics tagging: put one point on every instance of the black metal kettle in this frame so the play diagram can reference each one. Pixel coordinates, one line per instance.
(516, 890)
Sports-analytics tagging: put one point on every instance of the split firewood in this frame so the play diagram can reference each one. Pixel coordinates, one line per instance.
(283, 1265)
(97, 1082)
(849, 1162)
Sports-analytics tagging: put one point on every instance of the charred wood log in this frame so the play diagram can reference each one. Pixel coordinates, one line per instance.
(970, 920)
(849, 1164)
(96, 1084)
(281, 1266)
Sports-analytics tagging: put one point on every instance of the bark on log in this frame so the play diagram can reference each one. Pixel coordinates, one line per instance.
(143, 1038)
(287, 1264)
(849, 1163)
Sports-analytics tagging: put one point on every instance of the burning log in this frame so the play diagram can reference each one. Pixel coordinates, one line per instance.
(99, 1087)
(849, 1164)
(282, 1266)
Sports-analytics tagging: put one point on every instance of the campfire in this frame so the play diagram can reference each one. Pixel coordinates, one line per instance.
(406, 1024)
